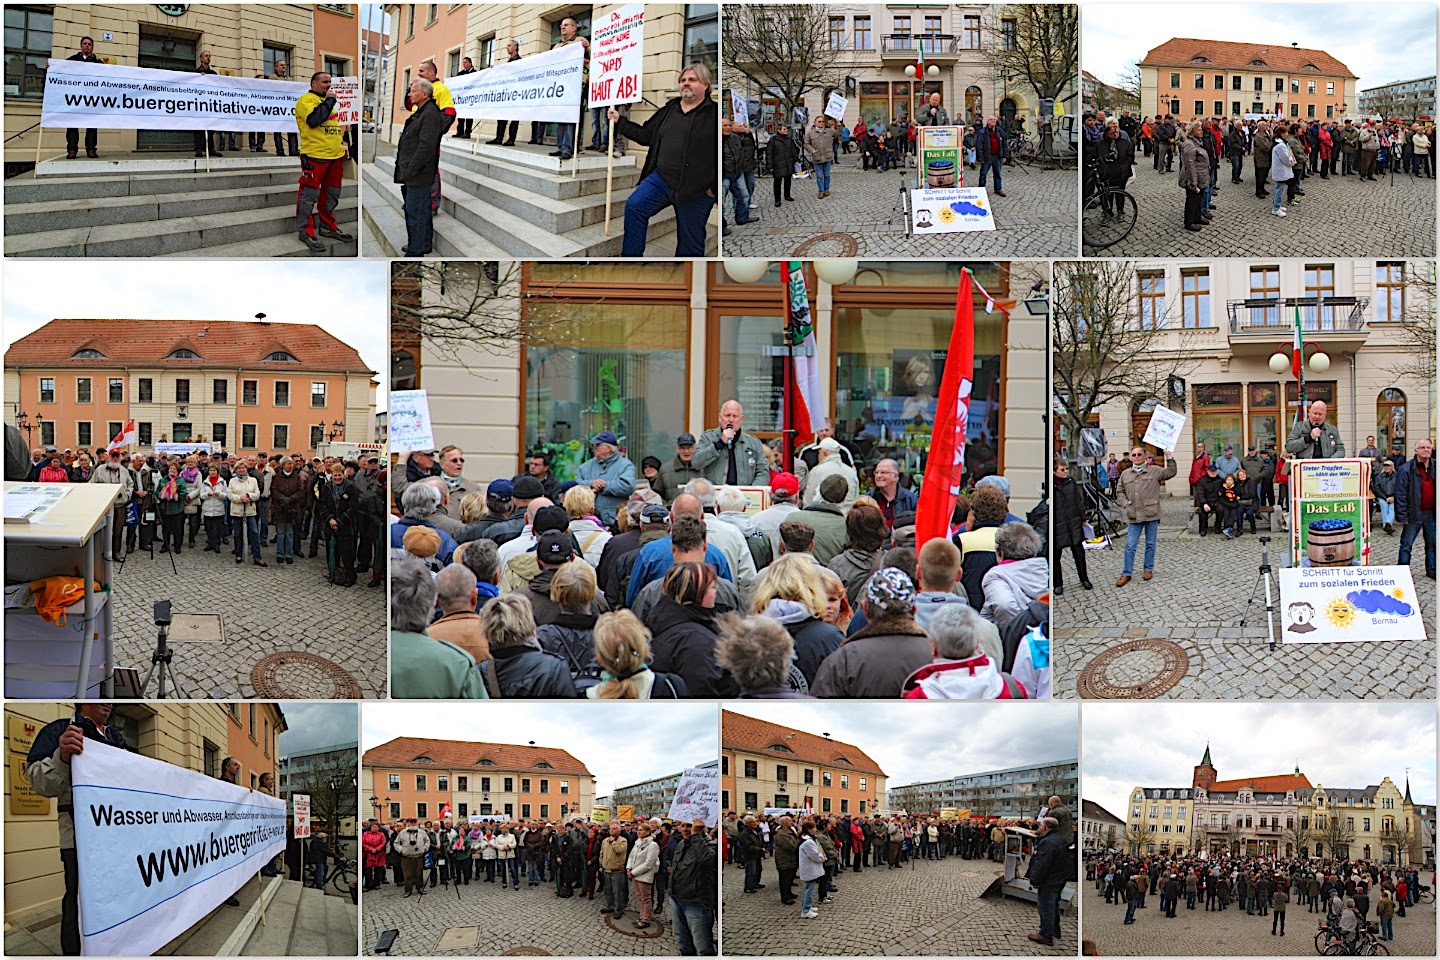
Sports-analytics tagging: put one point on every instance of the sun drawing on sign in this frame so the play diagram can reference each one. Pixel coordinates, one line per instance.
(947, 215)
(1340, 612)
(1398, 593)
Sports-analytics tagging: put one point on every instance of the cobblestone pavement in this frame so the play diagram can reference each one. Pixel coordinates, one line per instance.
(1339, 217)
(931, 909)
(1229, 933)
(487, 920)
(1036, 218)
(1197, 600)
(264, 610)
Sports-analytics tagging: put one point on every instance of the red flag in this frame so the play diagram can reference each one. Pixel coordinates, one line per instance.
(946, 465)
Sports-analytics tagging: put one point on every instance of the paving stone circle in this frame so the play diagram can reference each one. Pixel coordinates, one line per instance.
(623, 925)
(1134, 670)
(828, 245)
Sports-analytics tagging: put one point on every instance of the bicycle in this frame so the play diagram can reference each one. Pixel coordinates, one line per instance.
(1427, 895)
(1109, 213)
(341, 875)
(1367, 943)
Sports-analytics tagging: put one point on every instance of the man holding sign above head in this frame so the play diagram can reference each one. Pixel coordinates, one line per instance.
(680, 166)
(322, 164)
(1138, 491)
(47, 767)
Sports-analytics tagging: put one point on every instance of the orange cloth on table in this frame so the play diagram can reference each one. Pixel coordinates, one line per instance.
(53, 594)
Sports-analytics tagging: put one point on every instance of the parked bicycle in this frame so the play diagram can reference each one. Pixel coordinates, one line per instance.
(341, 875)
(1109, 213)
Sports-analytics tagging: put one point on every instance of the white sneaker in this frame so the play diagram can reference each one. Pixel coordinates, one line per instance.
(1279, 213)
(812, 915)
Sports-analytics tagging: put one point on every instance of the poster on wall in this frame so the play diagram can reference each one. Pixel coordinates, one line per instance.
(1330, 513)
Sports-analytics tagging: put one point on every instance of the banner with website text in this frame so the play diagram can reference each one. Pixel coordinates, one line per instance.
(545, 88)
(79, 94)
(160, 846)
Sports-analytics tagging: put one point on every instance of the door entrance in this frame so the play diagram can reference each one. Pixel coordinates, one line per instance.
(166, 52)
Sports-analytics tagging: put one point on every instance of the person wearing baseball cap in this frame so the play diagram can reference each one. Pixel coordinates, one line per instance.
(554, 549)
(680, 470)
(419, 464)
(784, 492)
(524, 489)
(499, 504)
(878, 659)
(609, 474)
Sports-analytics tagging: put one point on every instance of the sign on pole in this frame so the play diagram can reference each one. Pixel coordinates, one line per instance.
(159, 847)
(617, 61)
(835, 106)
(1349, 604)
(346, 91)
(940, 164)
(1164, 429)
(697, 795)
(302, 815)
(410, 421)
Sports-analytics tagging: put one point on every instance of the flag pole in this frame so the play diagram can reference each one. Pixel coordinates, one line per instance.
(787, 408)
(609, 171)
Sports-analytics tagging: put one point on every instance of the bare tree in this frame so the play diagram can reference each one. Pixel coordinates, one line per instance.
(1135, 837)
(1130, 81)
(787, 48)
(1416, 335)
(1110, 837)
(331, 784)
(1103, 352)
(1038, 43)
(1334, 834)
(1403, 837)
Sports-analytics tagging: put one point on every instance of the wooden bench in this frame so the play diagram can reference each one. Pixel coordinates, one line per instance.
(1278, 520)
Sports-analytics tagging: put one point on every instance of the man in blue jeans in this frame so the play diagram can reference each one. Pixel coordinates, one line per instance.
(1415, 504)
(991, 151)
(730, 168)
(693, 882)
(1138, 490)
(680, 166)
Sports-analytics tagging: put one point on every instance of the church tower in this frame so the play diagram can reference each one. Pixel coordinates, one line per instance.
(1205, 775)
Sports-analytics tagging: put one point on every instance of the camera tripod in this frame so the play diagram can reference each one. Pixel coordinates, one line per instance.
(1263, 577)
(160, 667)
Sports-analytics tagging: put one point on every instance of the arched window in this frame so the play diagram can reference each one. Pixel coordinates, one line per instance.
(184, 354)
(282, 356)
(974, 104)
(1390, 422)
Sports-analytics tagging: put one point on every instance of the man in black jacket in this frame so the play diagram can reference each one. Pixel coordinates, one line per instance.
(1207, 499)
(463, 128)
(417, 164)
(693, 891)
(1050, 869)
(734, 179)
(72, 134)
(679, 167)
(200, 135)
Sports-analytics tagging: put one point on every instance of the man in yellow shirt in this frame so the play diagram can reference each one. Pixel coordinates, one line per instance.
(441, 95)
(322, 164)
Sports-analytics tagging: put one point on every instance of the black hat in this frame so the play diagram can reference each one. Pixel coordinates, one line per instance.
(528, 488)
(685, 440)
(554, 547)
(654, 513)
(550, 518)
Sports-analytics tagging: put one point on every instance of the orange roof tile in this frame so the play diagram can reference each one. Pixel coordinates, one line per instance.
(146, 343)
(1279, 783)
(459, 754)
(1230, 55)
(739, 732)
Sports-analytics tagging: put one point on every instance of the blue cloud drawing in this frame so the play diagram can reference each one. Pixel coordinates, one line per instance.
(1377, 601)
(967, 209)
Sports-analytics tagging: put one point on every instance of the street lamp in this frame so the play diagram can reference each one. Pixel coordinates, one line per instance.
(336, 429)
(24, 423)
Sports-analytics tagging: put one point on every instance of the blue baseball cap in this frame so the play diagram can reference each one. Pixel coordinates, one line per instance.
(500, 490)
(606, 436)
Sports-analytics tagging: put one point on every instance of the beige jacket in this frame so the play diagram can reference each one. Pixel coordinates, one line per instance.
(1138, 491)
(241, 488)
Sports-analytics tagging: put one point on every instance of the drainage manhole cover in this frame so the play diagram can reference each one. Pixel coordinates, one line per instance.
(1134, 670)
(828, 245)
(626, 926)
(527, 952)
(294, 675)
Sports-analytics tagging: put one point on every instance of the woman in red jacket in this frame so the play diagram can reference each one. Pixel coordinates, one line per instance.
(54, 472)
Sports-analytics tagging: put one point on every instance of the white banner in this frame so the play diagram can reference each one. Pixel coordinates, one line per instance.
(486, 818)
(1348, 604)
(698, 795)
(952, 210)
(182, 448)
(545, 88)
(835, 107)
(617, 54)
(153, 835)
(1164, 429)
(79, 94)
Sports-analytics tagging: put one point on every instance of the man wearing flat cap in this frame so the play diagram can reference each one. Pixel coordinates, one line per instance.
(609, 474)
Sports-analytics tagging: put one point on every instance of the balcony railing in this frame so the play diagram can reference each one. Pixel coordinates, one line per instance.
(908, 45)
(1271, 317)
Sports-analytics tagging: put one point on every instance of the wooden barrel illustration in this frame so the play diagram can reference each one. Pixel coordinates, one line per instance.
(1331, 543)
(940, 173)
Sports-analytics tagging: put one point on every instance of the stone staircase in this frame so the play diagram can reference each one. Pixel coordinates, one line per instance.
(501, 203)
(303, 922)
(243, 207)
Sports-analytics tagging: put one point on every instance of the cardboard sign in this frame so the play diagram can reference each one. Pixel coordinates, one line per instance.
(941, 164)
(1329, 512)
(625, 813)
(410, 417)
(617, 54)
(600, 814)
(1164, 429)
(160, 847)
(698, 795)
(302, 815)
(346, 91)
(835, 106)
(756, 498)
(739, 110)
(1349, 605)
(960, 210)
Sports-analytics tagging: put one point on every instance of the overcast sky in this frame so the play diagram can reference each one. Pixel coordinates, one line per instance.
(348, 299)
(313, 725)
(1336, 744)
(621, 743)
(1380, 43)
(916, 742)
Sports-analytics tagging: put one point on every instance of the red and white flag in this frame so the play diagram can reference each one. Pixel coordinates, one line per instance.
(444, 811)
(946, 464)
(124, 438)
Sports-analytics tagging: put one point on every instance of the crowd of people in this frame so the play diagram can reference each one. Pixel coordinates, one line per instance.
(678, 172)
(819, 849)
(1349, 893)
(659, 862)
(1282, 152)
(663, 582)
(171, 499)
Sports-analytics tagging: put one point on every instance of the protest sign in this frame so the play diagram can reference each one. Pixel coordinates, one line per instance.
(302, 815)
(835, 106)
(182, 448)
(625, 813)
(959, 210)
(739, 109)
(346, 91)
(756, 498)
(545, 88)
(940, 165)
(81, 94)
(153, 835)
(783, 811)
(486, 818)
(697, 795)
(617, 50)
(1330, 516)
(600, 814)
(1164, 429)
(1349, 604)
(410, 421)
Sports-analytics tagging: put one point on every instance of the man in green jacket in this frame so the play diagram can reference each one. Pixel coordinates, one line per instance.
(728, 455)
(422, 667)
(787, 858)
(1313, 438)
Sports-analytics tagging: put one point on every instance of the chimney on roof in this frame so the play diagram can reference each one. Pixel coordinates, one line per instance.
(201, 334)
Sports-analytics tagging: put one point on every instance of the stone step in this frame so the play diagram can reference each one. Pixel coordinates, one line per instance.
(385, 212)
(555, 185)
(272, 938)
(520, 236)
(239, 160)
(536, 157)
(180, 235)
(31, 190)
(308, 935)
(21, 218)
(268, 248)
(341, 926)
